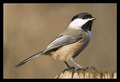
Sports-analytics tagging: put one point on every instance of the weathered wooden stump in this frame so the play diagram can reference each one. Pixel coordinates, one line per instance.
(88, 73)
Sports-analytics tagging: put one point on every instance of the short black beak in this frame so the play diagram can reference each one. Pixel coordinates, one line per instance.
(93, 18)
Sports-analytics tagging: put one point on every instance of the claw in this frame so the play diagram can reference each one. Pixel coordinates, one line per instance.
(69, 68)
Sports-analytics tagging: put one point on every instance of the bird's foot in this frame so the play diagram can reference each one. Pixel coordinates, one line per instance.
(70, 67)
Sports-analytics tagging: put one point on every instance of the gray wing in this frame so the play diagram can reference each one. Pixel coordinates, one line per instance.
(63, 40)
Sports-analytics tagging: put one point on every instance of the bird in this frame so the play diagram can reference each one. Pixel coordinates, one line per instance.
(71, 42)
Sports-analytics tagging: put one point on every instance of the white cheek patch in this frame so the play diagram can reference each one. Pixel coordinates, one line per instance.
(77, 23)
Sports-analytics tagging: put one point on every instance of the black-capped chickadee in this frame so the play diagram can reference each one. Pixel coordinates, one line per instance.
(70, 42)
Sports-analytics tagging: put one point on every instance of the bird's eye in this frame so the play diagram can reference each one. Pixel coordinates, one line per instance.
(83, 18)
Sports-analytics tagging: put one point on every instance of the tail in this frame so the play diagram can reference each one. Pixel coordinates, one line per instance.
(31, 57)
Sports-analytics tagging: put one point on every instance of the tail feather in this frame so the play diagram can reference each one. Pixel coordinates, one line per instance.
(29, 58)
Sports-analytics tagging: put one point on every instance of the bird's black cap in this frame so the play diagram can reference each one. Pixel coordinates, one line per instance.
(82, 15)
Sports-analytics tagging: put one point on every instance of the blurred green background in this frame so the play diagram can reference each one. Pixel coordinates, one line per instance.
(29, 28)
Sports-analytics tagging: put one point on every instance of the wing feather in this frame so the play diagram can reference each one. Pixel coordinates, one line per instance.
(63, 40)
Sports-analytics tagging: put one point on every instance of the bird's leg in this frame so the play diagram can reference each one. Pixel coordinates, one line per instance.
(68, 66)
(79, 66)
